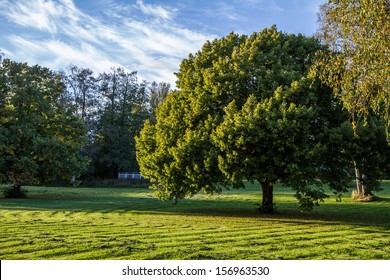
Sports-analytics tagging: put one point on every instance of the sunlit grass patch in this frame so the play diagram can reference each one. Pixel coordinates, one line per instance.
(119, 223)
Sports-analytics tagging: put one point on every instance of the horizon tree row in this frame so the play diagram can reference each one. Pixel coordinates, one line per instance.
(114, 107)
(57, 126)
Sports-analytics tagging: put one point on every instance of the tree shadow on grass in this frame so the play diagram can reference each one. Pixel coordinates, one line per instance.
(293, 215)
(219, 209)
(365, 214)
(382, 199)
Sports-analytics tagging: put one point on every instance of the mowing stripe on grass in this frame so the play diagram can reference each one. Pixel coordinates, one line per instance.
(131, 224)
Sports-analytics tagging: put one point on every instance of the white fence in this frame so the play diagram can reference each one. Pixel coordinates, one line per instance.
(132, 175)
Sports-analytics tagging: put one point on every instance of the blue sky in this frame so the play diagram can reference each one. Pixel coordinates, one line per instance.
(147, 36)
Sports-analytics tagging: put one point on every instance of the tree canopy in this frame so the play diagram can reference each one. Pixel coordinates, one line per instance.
(124, 110)
(40, 138)
(358, 64)
(114, 106)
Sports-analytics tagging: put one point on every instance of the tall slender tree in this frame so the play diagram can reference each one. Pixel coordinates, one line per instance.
(83, 94)
(123, 114)
(357, 64)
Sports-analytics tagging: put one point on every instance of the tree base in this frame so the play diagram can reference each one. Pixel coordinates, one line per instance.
(267, 210)
(14, 192)
(362, 198)
(267, 205)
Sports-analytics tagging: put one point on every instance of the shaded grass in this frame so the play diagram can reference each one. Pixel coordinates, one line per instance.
(117, 223)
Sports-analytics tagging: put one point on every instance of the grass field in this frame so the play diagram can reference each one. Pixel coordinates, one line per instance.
(119, 223)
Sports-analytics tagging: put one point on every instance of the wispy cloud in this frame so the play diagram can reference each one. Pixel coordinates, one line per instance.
(60, 54)
(223, 10)
(274, 7)
(155, 10)
(139, 35)
(35, 13)
(57, 32)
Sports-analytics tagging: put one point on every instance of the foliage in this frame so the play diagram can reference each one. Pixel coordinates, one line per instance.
(237, 116)
(158, 93)
(124, 112)
(114, 107)
(358, 66)
(275, 139)
(369, 151)
(82, 95)
(173, 161)
(40, 139)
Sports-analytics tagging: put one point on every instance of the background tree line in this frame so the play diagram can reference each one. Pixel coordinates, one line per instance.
(113, 106)
(56, 127)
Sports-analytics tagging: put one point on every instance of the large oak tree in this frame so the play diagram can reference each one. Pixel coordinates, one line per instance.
(245, 110)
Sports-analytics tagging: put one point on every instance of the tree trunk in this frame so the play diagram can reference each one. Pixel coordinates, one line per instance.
(360, 193)
(17, 190)
(267, 205)
(360, 188)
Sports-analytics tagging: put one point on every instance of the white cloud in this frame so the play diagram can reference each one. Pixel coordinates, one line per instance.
(59, 54)
(154, 10)
(38, 14)
(224, 10)
(56, 33)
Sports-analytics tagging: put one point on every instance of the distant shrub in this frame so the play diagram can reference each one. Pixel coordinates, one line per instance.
(13, 192)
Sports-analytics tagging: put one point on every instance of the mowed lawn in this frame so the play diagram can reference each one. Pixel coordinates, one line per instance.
(129, 223)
